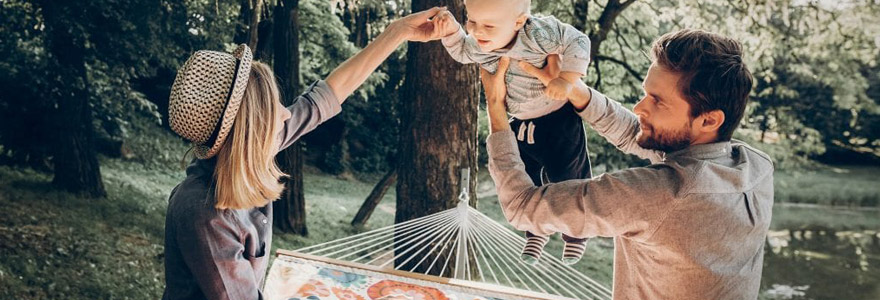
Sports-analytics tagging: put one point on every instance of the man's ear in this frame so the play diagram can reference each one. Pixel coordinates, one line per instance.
(712, 121)
(521, 20)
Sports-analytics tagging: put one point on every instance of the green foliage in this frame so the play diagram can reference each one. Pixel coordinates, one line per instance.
(23, 77)
(122, 43)
(369, 118)
(809, 58)
(815, 65)
(324, 45)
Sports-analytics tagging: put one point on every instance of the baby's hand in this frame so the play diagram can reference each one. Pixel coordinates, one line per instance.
(558, 89)
(446, 24)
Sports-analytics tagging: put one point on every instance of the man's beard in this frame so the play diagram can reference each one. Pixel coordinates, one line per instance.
(666, 141)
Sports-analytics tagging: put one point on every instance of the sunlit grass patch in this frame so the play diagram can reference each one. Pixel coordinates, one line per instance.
(847, 186)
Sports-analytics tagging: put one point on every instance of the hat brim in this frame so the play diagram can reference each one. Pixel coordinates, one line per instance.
(245, 57)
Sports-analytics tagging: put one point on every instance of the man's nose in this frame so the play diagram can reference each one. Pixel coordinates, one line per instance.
(639, 109)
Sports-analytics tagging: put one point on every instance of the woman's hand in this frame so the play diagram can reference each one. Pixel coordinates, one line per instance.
(422, 26)
(495, 88)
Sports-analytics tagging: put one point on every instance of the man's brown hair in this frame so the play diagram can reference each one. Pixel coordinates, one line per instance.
(713, 74)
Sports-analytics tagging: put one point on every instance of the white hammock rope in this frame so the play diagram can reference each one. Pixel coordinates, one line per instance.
(486, 252)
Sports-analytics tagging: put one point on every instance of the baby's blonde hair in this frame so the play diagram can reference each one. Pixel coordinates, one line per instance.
(525, 5)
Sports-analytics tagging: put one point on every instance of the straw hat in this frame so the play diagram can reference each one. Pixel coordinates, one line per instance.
(206, 95)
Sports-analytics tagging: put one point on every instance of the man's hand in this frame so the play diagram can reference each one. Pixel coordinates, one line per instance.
(550, 71)
(558, 89)
(422, 26)
(494, 86)
(578, 94)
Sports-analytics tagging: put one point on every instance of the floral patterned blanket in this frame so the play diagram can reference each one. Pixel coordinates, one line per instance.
(295, 278)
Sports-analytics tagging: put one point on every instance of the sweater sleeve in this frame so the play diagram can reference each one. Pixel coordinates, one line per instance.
(317, 105)
(464, 49)
(556, 37)
(618, 125)
(631, 202)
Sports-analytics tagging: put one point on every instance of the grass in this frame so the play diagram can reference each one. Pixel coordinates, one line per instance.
(836, 186)
(812, 217)
(58, 246)
(54, 245)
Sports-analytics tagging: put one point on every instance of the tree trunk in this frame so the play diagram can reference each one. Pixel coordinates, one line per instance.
(246, 31)
(374, 198)
(357, 18)
(599, 33)
(290, 210)
(438, 135)
(606, 21)
(76, 163)
(581, 14)
(265, 45)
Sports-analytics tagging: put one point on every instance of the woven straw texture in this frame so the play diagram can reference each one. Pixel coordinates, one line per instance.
(207, 92)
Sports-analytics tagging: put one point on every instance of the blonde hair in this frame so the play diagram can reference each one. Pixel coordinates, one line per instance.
(246, 175)
(524, 6)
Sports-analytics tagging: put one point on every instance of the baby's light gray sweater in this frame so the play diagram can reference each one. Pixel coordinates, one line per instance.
(539, 37)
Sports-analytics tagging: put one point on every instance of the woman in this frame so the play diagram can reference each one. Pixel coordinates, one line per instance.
(218, 228)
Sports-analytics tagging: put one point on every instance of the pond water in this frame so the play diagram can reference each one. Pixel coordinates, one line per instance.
(816, 252)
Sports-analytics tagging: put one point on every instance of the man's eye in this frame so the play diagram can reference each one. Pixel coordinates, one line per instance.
(489, 26)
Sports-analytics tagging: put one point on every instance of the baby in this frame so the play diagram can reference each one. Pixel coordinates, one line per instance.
(550, 134)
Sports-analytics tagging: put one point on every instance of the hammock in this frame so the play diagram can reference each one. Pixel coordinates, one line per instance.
(480, 255)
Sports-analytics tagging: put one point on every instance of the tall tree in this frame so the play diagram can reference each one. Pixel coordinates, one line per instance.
(438, 133)
(290, 210)
(250, 15)
(76, 162)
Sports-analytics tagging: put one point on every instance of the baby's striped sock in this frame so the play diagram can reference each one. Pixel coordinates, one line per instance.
(573, 251)
(532, 250)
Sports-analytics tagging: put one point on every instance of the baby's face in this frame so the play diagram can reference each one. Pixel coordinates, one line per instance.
(493, 23)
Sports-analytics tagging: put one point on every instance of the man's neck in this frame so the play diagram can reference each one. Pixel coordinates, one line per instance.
(705, 139)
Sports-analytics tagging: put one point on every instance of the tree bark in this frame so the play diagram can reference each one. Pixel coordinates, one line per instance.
(76, 163)
(246, 31)
(290, 210)
(374, 198)
(581, 14)
(606, 21)
(357, 18)
(438, 135)
(600, 32)
(265, 45)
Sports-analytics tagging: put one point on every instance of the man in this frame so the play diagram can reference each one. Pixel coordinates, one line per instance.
(690, 226)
